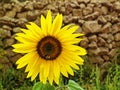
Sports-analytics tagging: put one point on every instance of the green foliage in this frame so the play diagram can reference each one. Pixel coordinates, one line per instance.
(41, 86)
(13, 79)
(72, 85)
(110, 82)
(1, 85)
(97, 79)
(87, 78)
(113, 78)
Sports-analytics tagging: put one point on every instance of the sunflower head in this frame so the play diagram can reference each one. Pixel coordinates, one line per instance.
(50, 50)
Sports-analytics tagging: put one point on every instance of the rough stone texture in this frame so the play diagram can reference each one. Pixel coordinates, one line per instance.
(117, 37)
(8, 42)
(91, 27)
(113, 52)
(93, 38)
(99, 20)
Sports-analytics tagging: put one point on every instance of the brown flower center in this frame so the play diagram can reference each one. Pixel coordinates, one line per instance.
(49, 48)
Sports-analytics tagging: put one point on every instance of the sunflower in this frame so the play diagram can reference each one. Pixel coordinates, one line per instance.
(49, 50)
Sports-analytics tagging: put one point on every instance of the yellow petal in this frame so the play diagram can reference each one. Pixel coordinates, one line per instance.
(65, 32)
(30, 33)
(32, 68)
(24, 38)
(51, 76)
(34, 31)
(24, 48)
(30, 64)
(62, 68)
(21, 45)
(25, 31)
(46, 68)
(37, 30)
(72, 29)
(68, 30)
(57, 23)
(70, 42)
(25, 59)
(62, 32)
(42, 69)
(56, 80)
(56, 71)
(77, 59)
(49, 21)
(36, 71)
(69, 70)
(79, 50)
(43, 25)
(69, 62)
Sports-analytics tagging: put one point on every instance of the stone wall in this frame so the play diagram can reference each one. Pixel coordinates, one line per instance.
(99, 21)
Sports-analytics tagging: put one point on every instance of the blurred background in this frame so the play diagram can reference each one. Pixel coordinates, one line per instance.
(99, 20)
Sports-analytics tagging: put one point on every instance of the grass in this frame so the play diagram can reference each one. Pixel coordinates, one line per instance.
(89, 79)
(13, 79)
(94, 82)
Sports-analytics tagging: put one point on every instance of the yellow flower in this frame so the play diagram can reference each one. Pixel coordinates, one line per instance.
(50, 49)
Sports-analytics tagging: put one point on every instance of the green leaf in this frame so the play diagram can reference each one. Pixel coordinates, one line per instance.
(38, 86)
(41, 86)
(72, 85)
